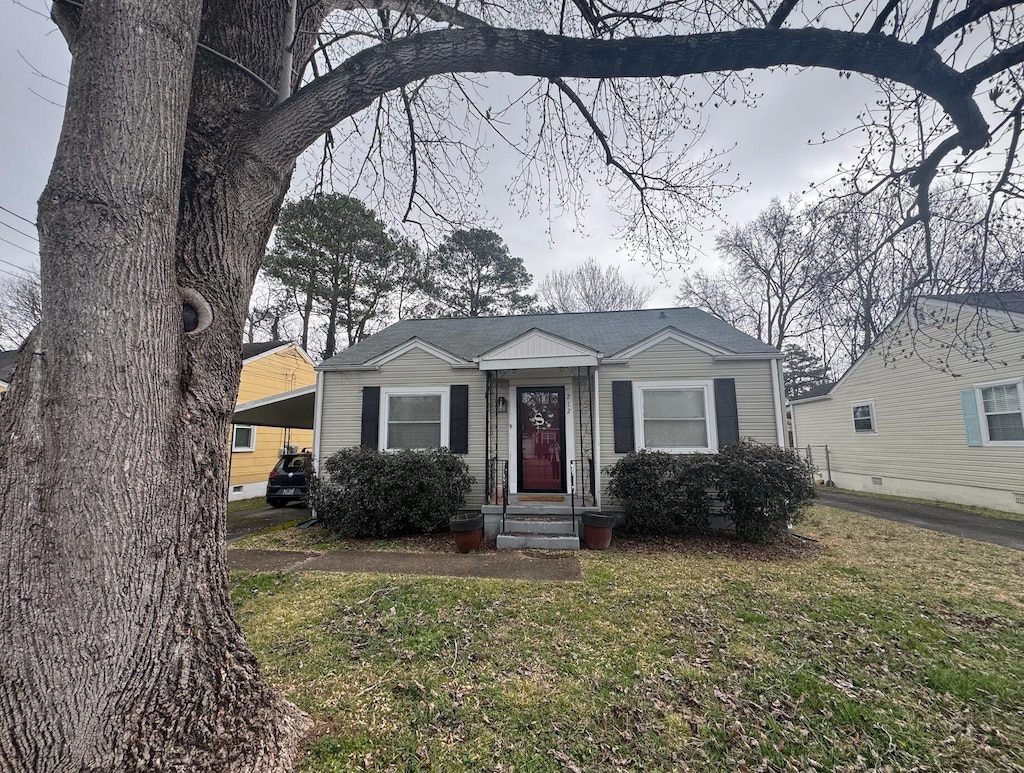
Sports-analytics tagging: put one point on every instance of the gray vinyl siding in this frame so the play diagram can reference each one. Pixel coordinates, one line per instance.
(668, 360)
(674, 361)
(920, 434)
(343, 395)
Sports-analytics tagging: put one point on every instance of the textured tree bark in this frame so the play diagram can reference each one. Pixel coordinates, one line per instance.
(118, 649)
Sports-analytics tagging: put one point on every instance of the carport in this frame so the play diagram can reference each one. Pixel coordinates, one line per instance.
(295, 409)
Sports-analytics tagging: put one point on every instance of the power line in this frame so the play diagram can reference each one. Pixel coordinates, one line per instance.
(9, 212)
(23, 249)
(27, 236)
(28, 271)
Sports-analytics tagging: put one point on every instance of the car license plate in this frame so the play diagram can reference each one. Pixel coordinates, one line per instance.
(286, 491)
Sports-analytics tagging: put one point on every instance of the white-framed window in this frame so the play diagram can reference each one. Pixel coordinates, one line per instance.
(864, 417)
(243, 437)
(675, 416)
(1001, 409)
(413, 417)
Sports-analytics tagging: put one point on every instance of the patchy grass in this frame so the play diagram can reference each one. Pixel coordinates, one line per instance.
(318, 539)
(891, 648)
(242, 505)
(938, 503)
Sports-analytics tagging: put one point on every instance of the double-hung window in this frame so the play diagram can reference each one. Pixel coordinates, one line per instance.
(413, 417)
(675, 416)
(1003, 417)
(864, 417)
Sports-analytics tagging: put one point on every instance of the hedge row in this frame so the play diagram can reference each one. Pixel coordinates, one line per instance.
(366, 493)
(762, 490)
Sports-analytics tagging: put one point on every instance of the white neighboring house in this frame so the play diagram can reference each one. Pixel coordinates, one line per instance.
(934, 409)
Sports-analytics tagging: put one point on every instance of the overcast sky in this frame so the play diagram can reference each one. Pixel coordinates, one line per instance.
(771, 153)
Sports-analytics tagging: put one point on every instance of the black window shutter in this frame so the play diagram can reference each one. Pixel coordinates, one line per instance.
(458, 419)
(369, 434)
(622, 416)
(726, 414)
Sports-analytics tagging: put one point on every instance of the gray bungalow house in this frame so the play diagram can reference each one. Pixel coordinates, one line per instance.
(540, 405)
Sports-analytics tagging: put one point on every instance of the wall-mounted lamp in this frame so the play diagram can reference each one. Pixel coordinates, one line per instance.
(502, 404)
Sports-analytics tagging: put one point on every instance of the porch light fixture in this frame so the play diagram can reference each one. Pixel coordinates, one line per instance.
(502, 404)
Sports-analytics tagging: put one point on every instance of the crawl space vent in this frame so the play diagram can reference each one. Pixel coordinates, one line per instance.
(1018, 497)
(876, 481)
(235, 489)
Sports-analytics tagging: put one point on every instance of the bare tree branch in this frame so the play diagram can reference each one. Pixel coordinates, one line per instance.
(296, 123)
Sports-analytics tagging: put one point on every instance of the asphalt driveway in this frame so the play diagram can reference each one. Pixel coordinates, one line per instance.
(984, 528)
(246, 522)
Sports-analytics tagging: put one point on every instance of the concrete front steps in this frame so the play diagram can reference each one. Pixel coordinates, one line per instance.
(547, 527)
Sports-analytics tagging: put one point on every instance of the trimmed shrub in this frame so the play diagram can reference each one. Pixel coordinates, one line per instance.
(663, 493)
(366, 493)
(763, 488)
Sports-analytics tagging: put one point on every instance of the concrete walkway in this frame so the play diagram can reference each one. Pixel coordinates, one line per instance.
(504, 565)
(984, 528)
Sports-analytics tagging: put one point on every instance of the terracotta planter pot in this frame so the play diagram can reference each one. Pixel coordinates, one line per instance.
(597, 530)
(468, 533)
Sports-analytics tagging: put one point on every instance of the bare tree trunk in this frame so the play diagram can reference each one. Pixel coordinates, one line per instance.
(118, 649)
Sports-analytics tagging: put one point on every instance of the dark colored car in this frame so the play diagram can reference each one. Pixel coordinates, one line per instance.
(287, 480)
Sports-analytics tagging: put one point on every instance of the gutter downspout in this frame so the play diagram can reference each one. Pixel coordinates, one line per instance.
(780, 428)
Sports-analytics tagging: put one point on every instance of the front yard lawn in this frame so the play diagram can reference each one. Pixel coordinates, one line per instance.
(890, 648)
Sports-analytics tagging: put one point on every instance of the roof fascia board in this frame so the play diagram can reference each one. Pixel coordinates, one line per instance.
(669, 333)
(536, 331)
(416, 343)
(750, 356)
(815, 399)
(275, 350)
(534, 363)
(281, 396)
(863, 355)
(939, 303)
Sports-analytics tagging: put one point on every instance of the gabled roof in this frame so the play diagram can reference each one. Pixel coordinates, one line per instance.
(265, 348)
(1010, 301)
(261, 347)
(1005, 301)
(7, 363)
(816, 391)
(606, 332)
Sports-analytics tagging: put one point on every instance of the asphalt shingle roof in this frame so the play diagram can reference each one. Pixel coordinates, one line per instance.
(256, 349)
(815, 391)
(606, 332)
(1006, 301)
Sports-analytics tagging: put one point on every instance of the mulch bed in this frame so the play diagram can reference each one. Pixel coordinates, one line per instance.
(720, 544)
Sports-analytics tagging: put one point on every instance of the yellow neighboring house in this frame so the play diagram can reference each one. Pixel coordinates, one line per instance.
(268, 368)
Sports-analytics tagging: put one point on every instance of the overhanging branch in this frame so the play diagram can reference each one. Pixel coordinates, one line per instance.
(294, 125)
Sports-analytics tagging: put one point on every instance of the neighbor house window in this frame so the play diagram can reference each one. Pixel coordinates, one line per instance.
(864, 417)
(674, 416)
(243, 438)
(1001, 406)
(414, 418)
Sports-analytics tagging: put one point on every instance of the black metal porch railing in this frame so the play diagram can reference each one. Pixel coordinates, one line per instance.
(572, 492)
(504, 496)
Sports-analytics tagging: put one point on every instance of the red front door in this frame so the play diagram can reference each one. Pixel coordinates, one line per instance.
(541, 439)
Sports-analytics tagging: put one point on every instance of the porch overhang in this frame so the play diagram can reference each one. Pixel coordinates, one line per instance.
(295, 409)
(536, 363)
(537, 349)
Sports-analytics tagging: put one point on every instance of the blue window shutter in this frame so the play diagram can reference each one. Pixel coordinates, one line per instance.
(971, 422)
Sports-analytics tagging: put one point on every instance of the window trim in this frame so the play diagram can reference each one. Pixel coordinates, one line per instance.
(710, 417)
(237, 449)
(385, 402)
(874, 417)
(983, 417)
